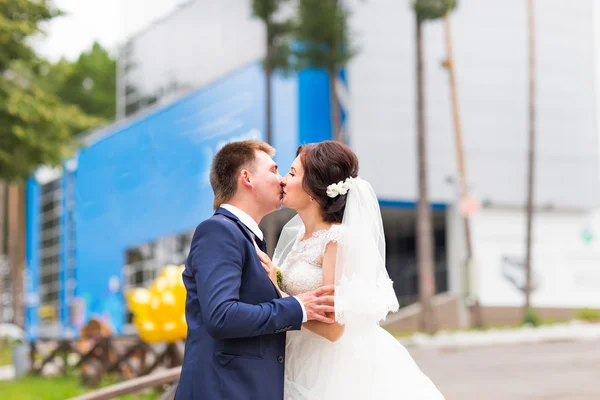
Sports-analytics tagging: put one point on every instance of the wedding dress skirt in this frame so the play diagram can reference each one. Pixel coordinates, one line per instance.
(365, 363)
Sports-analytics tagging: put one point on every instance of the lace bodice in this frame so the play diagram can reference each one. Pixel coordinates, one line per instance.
(302, 268)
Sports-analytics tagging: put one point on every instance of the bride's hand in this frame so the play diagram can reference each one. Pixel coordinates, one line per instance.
(269, 267)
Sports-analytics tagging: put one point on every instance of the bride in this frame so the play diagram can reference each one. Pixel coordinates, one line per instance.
(337, 238)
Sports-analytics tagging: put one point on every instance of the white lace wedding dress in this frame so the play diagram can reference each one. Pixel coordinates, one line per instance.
(366, 363)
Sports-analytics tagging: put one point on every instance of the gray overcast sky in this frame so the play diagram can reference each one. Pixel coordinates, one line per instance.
(107, 21)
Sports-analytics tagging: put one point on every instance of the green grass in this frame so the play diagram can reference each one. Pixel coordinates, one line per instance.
(55, 388)
(588, 314)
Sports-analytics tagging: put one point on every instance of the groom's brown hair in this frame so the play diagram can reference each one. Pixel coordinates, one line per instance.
(228, 162)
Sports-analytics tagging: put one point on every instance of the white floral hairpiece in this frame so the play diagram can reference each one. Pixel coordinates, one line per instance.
(340, 188)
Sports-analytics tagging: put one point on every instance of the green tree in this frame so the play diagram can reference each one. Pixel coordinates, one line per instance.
(89, 82)
(36, 127)
(324, 43)
(425, 10)
(277, 50)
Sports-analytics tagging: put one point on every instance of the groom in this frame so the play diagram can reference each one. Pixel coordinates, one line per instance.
(237, 319)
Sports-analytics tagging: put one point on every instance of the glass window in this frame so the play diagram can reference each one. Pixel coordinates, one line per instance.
(401, 256)
(50, 214)
(144, 262)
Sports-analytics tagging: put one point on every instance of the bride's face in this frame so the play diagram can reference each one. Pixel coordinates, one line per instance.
(294, 195)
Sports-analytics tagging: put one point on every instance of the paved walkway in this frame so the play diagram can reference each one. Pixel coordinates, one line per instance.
(539, 371)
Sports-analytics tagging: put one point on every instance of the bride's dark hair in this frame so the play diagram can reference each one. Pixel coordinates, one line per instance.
(325, 163)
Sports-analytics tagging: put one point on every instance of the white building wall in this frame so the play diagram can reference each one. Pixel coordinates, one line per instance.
(207, 39)
(566, 266)
(213, 38)
(192, 47)
(490, 40)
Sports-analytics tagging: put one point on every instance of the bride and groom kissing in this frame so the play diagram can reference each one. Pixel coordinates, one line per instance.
(314, 334)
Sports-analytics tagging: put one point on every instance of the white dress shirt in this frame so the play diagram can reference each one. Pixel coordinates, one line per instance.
(253, 226)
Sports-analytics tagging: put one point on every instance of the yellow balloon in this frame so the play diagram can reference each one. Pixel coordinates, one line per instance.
(172, 275)
(169, 332)
(159, 285)
(138, 300)
(168, 304)
(167, 268)
(182, 327)
(154, 305)
(159, 312)
(163, 307)
(148, 331)
(180, 294)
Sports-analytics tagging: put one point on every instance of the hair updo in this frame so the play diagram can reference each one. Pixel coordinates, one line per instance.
(325, 163)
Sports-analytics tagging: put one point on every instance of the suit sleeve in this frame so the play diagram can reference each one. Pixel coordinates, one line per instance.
(216, 260)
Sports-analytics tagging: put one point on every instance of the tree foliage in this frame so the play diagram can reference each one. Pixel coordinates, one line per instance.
(89, 82)
(36, 126)
(433, 9)
(323, 35)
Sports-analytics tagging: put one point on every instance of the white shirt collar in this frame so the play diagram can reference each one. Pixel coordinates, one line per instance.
(244, 219)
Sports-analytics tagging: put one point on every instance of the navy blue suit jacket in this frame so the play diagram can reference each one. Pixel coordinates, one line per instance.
(235, 346)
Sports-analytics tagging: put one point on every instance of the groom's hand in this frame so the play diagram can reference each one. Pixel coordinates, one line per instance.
(319, 304)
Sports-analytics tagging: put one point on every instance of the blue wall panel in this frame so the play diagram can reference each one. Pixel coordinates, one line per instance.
(409, 205)
(32, 259)
(313, 106)
(63, 260)
(150, 179)
(285, 121)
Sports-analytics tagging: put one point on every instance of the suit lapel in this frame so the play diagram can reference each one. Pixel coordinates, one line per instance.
(249, 235)
(230, 215)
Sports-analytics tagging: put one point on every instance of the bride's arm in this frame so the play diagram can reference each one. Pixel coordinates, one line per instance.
(334, 331)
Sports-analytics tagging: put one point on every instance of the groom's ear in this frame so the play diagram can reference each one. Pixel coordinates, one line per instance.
(245, 178)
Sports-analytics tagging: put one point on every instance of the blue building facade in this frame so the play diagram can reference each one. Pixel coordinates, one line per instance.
(145, 179)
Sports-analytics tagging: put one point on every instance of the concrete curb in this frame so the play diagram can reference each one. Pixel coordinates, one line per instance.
(575, 331)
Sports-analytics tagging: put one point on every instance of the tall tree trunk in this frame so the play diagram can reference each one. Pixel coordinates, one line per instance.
(20, 275)
(3, 285)
(425, 257)
(2, 218)
(531, 166)
(15, 246)
(270, 222)
(268, 111)
(336, 119)
(462, 171)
